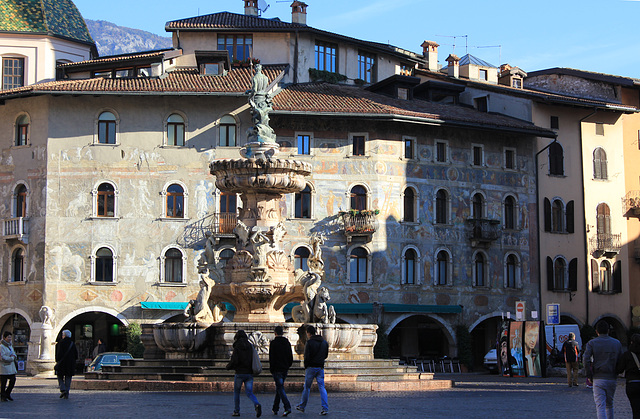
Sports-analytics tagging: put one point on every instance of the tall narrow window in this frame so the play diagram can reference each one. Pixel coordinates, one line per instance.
(175, 201)
(559, 274)
(107, 128)
(22, 130)
(600, 164)
(409, 203)
(409, 144)
(442, 268)
(599, 128)
(479, 270)
(512, 266)
(358, 198)
(173, 265)
(442, 198)
(227, 131)
(477, 205)
(240, 47)
(606, 284)
(106, 200)
(557, 216)
(326, 54)
(554, 122)
(358, 145)
(12, 73)
(366, 67)
(304, 144)
(510, 159)
(477, 155)
(603, 219)
(410, 258)
(104, 265)
(300, 258)
(556, 159)
(509, 213)
(441, 151)
(175, 130)
(303, 203)
(17, 265)
(21, 201)
(358, 266)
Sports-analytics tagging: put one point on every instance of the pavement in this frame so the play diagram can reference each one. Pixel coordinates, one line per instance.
(474, 396)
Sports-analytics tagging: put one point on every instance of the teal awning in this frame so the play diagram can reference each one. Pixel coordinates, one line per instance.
(170, 305)
(340, 308)
(419, 308)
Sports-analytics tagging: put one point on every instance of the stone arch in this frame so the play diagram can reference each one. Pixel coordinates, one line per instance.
(70, 316)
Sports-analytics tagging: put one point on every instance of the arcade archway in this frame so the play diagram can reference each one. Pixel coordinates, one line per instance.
(419, 336)
(19, 327)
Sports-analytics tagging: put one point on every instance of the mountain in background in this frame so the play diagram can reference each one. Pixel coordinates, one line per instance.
(112, 39)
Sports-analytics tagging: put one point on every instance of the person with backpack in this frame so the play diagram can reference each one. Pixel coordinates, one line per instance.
(242, 362)
(571, 353)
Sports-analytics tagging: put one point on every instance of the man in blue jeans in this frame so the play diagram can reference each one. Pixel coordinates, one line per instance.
(315, 352)
(280, 360)
(600, 358)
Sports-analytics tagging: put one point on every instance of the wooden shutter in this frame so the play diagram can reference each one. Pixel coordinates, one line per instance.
(547, 214)
(595, 276)
(617, 277)
(570, 217)
(573, 275)
(550, 286)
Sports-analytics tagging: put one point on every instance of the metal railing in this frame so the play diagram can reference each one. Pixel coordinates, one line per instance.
(224, 222)
(484, 230)
(359, 224)
(631, 204)
(606, 242)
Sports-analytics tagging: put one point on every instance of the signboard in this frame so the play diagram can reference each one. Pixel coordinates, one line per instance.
(520, 305)
(553, 313)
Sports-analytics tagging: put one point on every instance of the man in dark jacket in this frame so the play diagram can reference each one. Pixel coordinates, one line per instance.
(280, 360)
(66, 356)
(315, 352)
(241, 362)
(571, 352)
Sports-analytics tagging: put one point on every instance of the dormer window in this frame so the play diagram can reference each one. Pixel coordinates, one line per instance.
(517, 83)
(211, 69)
(240, 47)
(213, 63)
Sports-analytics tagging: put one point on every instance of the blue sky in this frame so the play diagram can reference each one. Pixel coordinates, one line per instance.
(592, 35)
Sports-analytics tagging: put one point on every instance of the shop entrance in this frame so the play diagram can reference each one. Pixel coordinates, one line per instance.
(88, 327)
(19, 327)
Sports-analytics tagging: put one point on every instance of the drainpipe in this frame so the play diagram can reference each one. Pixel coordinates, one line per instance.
(584, 221)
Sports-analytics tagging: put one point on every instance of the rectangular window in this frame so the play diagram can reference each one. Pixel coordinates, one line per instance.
(517, 83)
(326, 54)
(441, 152)
(358, 145)
(482, 104)
(599, 129)
(403, 93)
(12, 73)
(477, 155)
(409, 144)
(510, 159)
(240, 47)
(211, 69)
(304, 144)
(227, 135)
(366, 67)
(483, 75)
(555, 122)
(124, 73)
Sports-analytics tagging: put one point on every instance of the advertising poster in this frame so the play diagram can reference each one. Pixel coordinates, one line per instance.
(532, 349)
(516, 360)
(503, 349)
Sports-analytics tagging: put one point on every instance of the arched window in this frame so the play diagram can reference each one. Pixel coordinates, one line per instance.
(300, 258)
(21, 201)
(227, 131)
(410, 262)
(173, 265)
(225, 256)
(105, 205)
(358, 198)
(511, 271)
(479, 270)
(358, 266)
(175, 130)
(442, 198)
(409, 205)
(556, 159)
(17, 265)
(103, 265)
(228, 211)
(175, 201)
(599, 164)
(303, 203)
(603, 219)
(107, 128)
(477, 206)
(557, 216)
(560, 274)
(22, 130)
(606, 285)
(509, 213)
(442, 268)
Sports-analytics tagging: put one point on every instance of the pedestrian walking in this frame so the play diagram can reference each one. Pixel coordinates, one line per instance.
(8, 368)
(316, 351)
(600, 360)
(242, 361)
(100, 348)
(629, 363)
(571, 353)
(280, 360)
(66, 356)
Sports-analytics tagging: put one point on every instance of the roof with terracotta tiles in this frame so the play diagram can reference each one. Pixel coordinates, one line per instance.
(52, 17)
(118, 58)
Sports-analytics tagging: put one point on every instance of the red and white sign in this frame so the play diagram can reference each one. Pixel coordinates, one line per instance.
(520, 305)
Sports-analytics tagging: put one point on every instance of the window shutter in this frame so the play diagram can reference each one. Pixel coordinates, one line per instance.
(595, 276)
(573, 275)
(596, 168)
(550, 274)
(617, 277)
(547, 214)
(570, 217)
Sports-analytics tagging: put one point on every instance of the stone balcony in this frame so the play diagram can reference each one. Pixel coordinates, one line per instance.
(482, 231)
(605, 244)
(359, 224)
(16, 229)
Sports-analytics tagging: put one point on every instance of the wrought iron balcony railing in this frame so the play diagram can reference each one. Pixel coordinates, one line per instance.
(15, 228)
(606, 243)
(223, 223)
(483, 231)
(359, 224)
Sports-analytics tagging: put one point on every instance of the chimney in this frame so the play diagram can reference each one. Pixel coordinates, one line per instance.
(299, 12)
(430, 52)
(454, 66)
(251, 7)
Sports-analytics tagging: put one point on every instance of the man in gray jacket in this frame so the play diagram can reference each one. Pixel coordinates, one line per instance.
(600, 357)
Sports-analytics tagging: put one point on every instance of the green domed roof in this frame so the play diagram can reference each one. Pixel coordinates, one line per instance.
(58, 18)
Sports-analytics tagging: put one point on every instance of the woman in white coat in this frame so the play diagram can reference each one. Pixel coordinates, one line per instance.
(7, 367)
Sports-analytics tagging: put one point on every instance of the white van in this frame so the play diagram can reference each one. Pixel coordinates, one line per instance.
(562, 335)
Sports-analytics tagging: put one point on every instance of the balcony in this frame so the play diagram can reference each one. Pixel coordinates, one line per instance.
(16, 228)
(605, 244)
(482, 232)
(359, 223)
(631, 205)
(223, 223)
